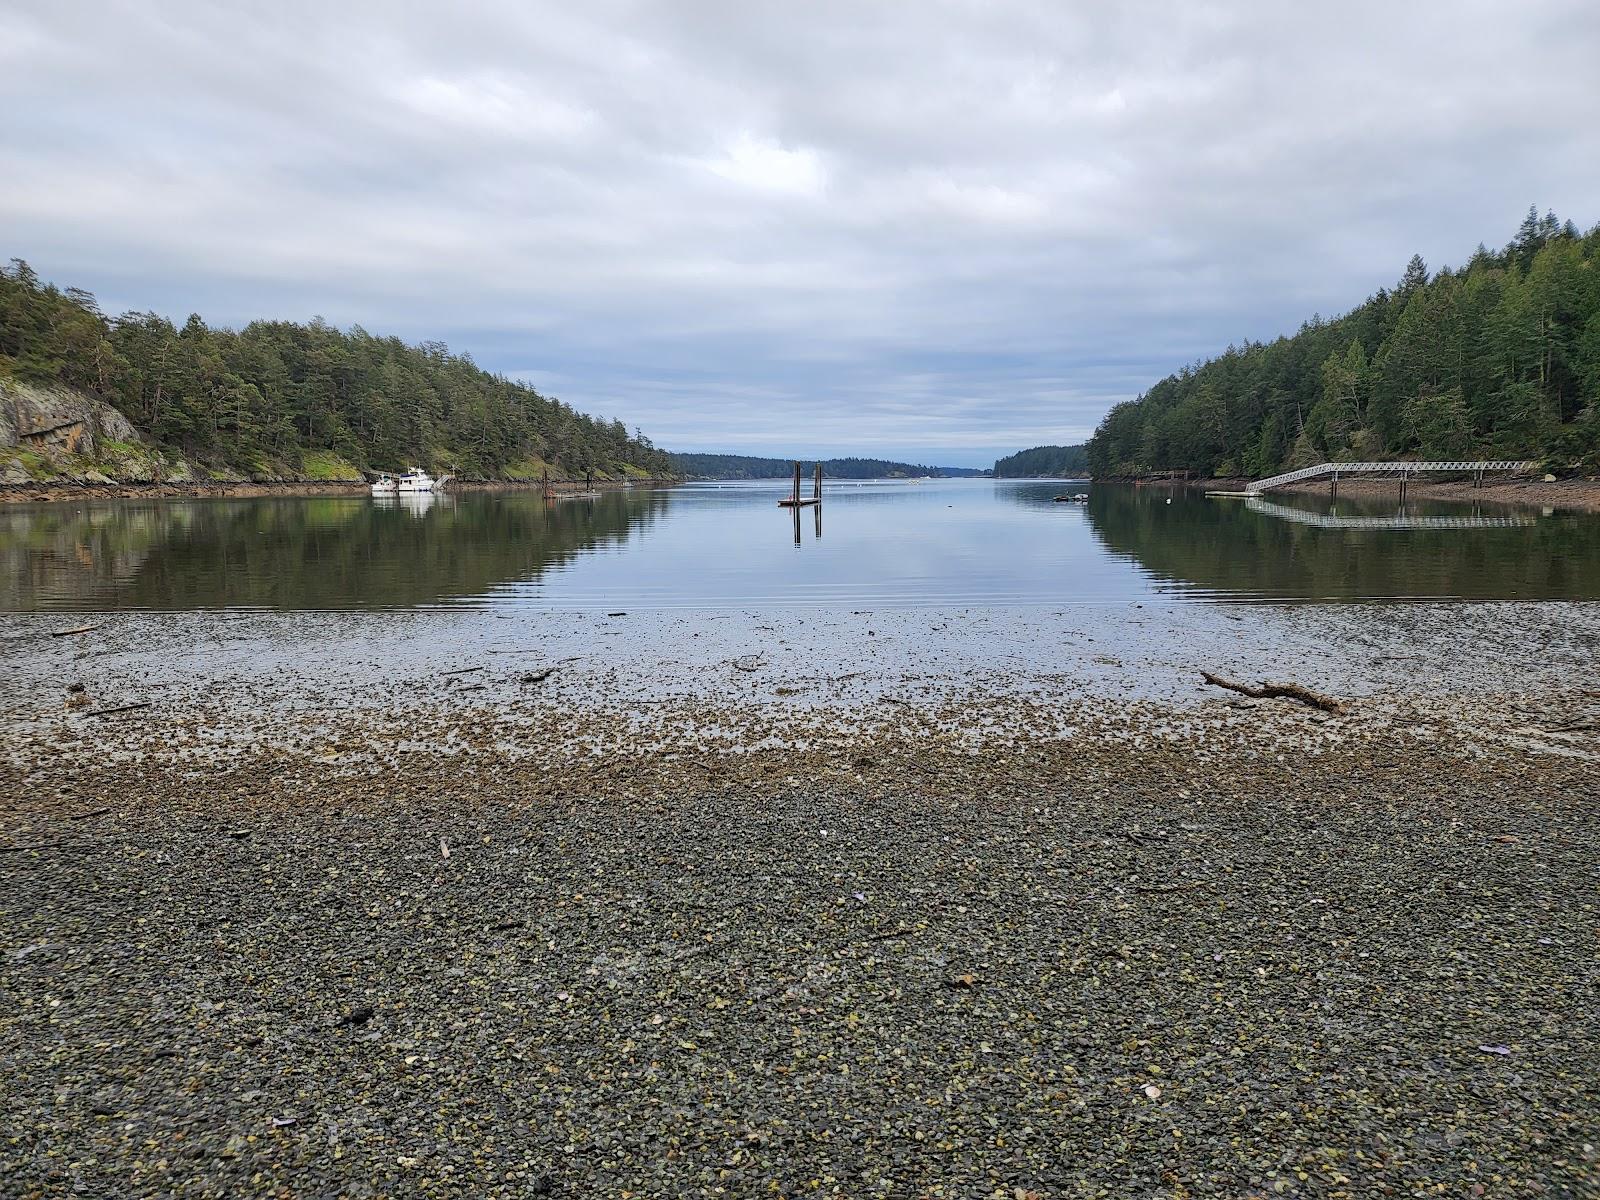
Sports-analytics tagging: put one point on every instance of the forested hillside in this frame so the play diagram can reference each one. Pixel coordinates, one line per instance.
(743, 466)
(276, 397)
(1043, 460)
(1498, 358)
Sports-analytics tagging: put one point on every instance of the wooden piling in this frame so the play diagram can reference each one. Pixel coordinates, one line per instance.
(793, 500)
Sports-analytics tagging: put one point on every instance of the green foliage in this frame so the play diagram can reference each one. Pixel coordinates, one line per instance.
(326, 465)
(1043, 461)
(279, 397)
(742, 466)
(1499, 358)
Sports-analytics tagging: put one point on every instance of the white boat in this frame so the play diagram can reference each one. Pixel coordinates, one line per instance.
(415, 480)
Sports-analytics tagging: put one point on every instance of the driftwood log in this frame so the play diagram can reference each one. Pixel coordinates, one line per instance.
(1269, 691)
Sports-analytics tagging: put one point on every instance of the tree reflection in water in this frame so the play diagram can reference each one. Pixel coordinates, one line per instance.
(297, 553)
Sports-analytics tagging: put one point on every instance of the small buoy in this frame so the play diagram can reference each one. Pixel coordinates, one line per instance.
(1169, 499)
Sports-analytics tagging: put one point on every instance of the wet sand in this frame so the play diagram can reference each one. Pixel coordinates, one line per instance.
(889, 903)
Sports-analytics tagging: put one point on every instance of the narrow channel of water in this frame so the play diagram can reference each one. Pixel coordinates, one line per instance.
(938, 543)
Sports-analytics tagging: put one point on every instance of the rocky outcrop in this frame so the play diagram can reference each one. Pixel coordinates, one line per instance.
(53, 433)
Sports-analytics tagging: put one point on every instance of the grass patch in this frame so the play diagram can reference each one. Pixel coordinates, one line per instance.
(324, 466)
(529, 468)
(37, 466)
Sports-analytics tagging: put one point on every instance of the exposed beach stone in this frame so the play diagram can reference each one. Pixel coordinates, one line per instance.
(988, 940)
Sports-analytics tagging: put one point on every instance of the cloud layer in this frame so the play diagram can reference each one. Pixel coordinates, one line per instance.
(935, 230)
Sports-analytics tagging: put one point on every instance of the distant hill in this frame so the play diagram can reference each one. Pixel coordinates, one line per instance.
(1043, 460)
(741, 466)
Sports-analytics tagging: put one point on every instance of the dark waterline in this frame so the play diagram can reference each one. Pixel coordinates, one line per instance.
(938, 543)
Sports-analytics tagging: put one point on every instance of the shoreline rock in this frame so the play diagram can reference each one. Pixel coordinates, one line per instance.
(59, 491)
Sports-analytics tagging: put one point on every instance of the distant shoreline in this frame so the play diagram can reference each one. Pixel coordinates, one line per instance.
(67, 491)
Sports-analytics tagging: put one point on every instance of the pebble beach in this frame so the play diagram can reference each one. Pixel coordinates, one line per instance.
(908, 903)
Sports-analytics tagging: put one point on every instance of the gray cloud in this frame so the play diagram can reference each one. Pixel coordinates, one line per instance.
(940, 230)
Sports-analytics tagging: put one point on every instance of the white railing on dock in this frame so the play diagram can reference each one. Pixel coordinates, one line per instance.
(1402, 469)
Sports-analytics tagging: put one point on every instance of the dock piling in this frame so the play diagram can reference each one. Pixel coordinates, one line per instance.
(793, 499)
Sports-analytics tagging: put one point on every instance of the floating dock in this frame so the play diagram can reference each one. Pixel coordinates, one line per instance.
(793, 500)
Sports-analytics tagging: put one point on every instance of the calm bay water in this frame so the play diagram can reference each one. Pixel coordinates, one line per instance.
(946, 543)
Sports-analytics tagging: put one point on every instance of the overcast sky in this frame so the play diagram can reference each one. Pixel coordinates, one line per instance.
(939, 231)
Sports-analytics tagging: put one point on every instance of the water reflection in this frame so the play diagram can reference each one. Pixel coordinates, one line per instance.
(1404, 519)
(1301, 548)
(340, 552)
(946, 543)
(816, 510)
(415, 503)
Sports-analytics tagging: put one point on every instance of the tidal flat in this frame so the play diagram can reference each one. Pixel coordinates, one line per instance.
(978, 902)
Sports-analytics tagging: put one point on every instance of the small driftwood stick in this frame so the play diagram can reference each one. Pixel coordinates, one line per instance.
(70, 632)
(106, 712)
(1269, 691)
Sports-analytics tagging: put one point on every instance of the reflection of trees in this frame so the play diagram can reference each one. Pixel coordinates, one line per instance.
(86, 553)
(296, 553)
(1225, 546)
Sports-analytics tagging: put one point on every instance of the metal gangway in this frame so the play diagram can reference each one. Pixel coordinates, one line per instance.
(1403, 469)
(1399, 521)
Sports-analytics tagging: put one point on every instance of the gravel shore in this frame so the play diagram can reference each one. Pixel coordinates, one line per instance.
(745, 931)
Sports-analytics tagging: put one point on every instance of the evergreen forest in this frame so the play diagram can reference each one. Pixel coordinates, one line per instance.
(1497, 359)
(1042, 462)
(279, 398)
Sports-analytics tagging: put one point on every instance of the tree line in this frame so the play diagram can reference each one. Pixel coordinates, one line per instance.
(744, 466)
(259, 400)
(1043, 461)
(1499, 358)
